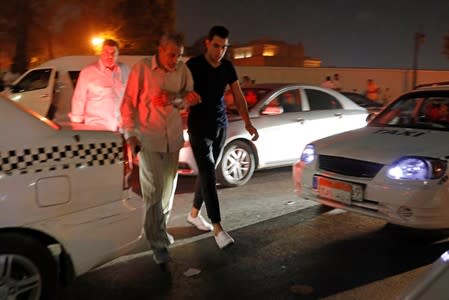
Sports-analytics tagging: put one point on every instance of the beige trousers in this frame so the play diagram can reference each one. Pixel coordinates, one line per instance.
(158, 178)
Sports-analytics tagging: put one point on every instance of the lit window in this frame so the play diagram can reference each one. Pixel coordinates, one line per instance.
(270, 50)
(243, 52)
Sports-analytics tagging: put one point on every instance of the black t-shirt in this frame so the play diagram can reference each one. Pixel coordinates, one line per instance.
(210, 84)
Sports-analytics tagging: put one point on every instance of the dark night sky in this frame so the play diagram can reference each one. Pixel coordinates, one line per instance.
(343, 33)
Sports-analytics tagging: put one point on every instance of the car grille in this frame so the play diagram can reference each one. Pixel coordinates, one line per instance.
(348, 167)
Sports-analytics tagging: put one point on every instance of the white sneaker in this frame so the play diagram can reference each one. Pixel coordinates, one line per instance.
(171, 239)
(199, 222)
(223, 239)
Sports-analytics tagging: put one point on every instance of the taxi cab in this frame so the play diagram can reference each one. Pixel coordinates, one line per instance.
(65, 204)
(395, 168)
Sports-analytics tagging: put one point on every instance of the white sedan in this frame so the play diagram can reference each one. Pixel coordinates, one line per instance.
(287, 117)
(394, 169)
(65, 206)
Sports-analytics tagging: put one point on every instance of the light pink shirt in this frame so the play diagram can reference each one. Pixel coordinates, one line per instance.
(159, 128)
(98, 94)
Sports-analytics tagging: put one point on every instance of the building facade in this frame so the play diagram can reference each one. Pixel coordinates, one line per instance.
(266, 52)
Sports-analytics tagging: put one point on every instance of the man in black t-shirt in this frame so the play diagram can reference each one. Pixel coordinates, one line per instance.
(207, 124)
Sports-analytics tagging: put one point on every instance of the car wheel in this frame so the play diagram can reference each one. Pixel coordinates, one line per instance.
(237, 164)
(28, 270)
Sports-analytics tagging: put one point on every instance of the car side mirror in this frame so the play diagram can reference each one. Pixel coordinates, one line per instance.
(272, 110)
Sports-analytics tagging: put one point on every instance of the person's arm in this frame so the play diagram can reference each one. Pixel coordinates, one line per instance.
(79, 97)
(129, 106)
(189, 96)
(240, 103)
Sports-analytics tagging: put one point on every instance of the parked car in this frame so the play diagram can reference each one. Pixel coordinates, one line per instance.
(65, 206)
(363, 101)
(394, 169)
(287, 116)
(433, 284)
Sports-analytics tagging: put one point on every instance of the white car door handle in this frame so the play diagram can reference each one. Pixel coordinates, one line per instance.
(338, 115)
(300, 120)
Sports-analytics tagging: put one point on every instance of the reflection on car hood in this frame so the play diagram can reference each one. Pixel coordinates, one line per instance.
(385, 144)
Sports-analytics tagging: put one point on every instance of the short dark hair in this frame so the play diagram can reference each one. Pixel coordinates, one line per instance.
(110, 43)
(174, 37)
(218, 30)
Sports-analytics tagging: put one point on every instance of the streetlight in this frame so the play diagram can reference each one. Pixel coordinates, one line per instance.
(97, 42)
(418, 41)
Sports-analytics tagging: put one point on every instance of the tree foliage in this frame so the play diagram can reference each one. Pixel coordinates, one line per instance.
(34, 31)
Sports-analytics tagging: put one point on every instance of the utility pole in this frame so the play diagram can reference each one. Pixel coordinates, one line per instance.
(419, 38)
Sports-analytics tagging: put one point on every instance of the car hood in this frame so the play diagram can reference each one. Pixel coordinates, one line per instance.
(385, 144)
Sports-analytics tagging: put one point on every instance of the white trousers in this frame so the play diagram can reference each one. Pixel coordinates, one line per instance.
(158, 178)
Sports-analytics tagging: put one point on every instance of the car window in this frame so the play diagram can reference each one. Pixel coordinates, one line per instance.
(273, 107)
(34, 80)
(290, 101)
(252, 97)
(319, 100)
(74, 77)
(421, 112)
(285, 102)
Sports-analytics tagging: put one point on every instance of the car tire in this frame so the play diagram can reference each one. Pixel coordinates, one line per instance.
(27, 269)
(237, 164)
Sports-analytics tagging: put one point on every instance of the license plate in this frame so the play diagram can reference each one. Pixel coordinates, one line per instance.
(334, 190)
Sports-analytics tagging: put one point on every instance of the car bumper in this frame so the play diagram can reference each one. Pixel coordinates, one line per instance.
(411, 204)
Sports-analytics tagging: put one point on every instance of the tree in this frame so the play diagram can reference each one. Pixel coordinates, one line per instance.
(38, 30)
(146, 20)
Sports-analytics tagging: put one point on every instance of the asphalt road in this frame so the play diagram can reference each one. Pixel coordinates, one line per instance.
(286, 248)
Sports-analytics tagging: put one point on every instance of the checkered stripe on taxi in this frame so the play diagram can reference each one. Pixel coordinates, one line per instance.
(43, 159)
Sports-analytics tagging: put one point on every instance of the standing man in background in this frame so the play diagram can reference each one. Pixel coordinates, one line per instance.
(372, 90)
(99, 90)
(337, 83)
(328, 83)
(157, 89)
(207, 124)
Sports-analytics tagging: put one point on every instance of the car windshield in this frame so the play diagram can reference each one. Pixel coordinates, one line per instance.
(252, 95)
(419, 110)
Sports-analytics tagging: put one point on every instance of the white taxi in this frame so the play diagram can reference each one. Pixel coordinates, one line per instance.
(394, 169)
(65, 206)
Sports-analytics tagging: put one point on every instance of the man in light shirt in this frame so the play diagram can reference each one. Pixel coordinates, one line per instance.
(158, 88)
(328, 83)
(98, 94)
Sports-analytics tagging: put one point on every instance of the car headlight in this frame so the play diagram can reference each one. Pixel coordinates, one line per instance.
(308, 155)
(417, 168)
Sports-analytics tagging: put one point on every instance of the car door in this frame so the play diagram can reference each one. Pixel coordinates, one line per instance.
(35, 90)
(280, 128)
(325, 114)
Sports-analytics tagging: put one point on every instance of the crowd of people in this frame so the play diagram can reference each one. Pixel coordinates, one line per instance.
(145, 105)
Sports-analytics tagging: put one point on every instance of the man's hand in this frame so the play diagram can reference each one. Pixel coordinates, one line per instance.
(252, 131)
(163, 99)
(135, 145)
(192, 98)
